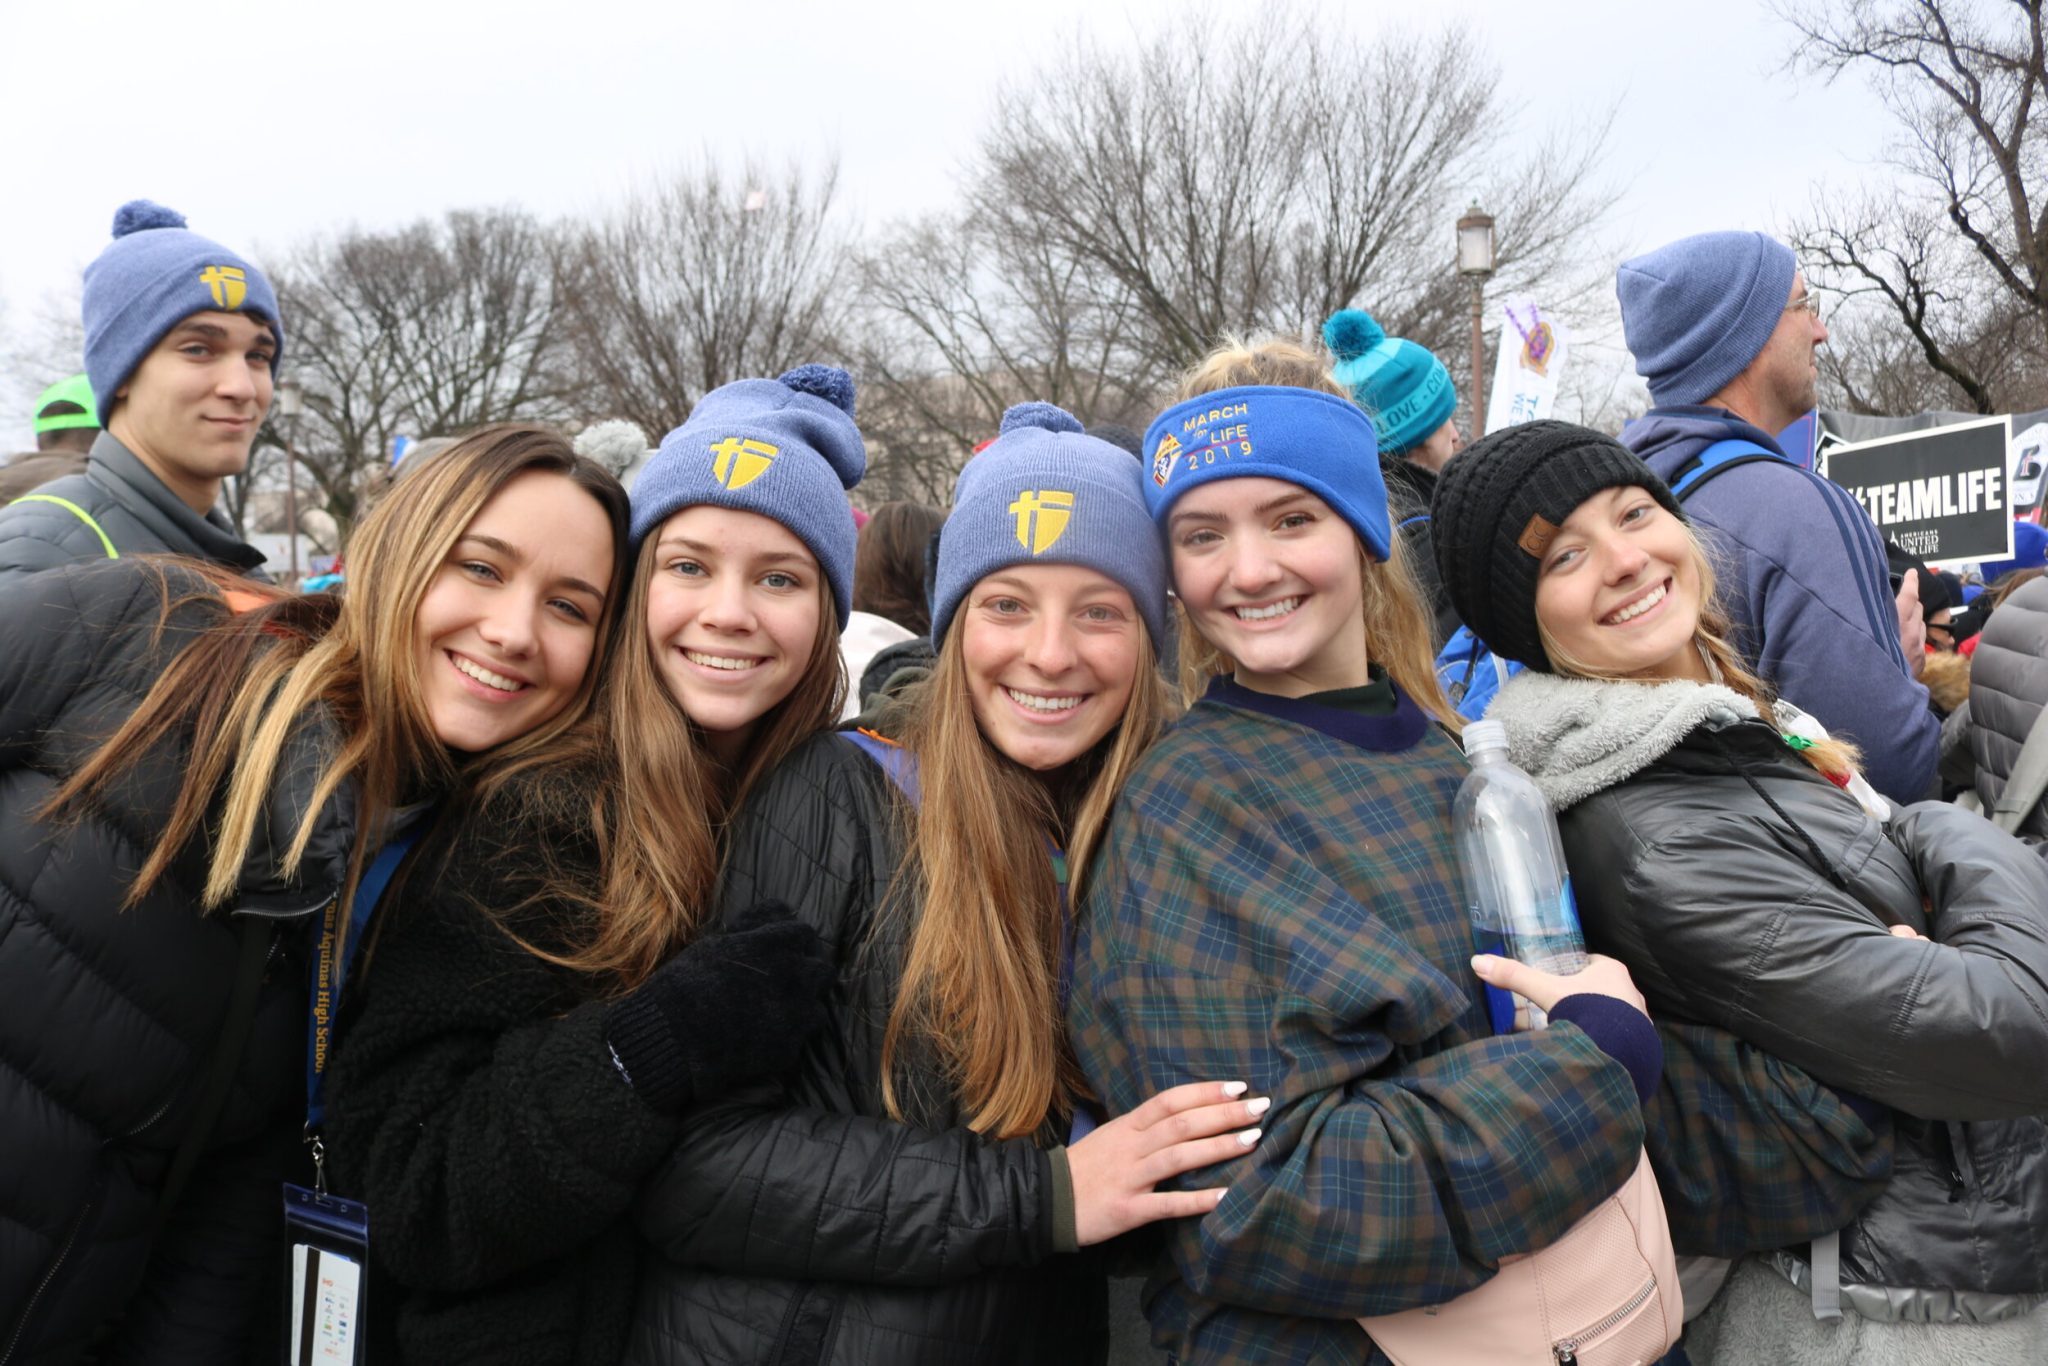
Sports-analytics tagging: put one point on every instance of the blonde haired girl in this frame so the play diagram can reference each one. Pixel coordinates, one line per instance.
(1727, 850)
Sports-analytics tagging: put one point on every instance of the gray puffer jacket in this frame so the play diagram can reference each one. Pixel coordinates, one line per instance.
(131, 512)
(1745, 891)
(2008, 688)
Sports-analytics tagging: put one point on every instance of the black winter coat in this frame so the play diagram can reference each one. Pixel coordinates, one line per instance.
(475, 1107)
(108, 1017)
(804, 1226)
(1727, 916)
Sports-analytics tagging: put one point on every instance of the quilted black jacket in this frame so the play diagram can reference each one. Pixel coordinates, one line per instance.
(802, 1225)
(108, 1017)
(1726, 916)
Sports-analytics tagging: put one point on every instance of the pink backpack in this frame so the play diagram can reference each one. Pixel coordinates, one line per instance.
(1605, 1294)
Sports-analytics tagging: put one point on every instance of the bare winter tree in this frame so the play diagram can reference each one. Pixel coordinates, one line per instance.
(705, 278)
(1953, 257)
(46, 344)
(960, 318)
(1255, 174)
(429, 330)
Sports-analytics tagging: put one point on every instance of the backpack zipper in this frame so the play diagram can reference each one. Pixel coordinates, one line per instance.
(1567, 1351)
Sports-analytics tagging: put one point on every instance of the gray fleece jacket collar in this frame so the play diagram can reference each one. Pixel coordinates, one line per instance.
(1579, 736)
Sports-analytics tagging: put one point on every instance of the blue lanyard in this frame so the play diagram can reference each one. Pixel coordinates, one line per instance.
(329, 969)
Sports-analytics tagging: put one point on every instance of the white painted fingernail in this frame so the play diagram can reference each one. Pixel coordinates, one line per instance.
(1249, 1137)
(1258, 1107)
(1235, 1088)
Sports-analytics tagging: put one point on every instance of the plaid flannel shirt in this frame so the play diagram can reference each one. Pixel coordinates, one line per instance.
(1750, 1152)
(1281, 905)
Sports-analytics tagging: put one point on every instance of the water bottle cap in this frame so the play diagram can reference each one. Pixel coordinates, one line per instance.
(1485, 735)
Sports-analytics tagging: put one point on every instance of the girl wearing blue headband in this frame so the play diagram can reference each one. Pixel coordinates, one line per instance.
(912, 1194)
(1278, 892)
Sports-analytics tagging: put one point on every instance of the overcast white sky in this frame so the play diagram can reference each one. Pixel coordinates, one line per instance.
(266, 123)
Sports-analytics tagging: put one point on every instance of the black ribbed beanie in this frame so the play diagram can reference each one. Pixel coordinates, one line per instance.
(1498, 503)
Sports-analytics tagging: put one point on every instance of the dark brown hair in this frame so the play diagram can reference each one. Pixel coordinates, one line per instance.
(889, 565)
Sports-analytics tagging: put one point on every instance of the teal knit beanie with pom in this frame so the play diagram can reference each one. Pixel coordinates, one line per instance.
(1403, 387)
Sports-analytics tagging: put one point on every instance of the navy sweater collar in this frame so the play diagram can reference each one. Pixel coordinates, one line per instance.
(1387, 734)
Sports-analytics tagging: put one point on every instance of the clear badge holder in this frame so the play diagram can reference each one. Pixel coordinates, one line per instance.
(327, 1276)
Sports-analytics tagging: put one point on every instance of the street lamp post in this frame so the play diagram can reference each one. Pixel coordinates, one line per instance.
(1475, 263)
(289, 405)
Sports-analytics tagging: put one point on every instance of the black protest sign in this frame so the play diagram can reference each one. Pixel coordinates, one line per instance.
(1942, 494)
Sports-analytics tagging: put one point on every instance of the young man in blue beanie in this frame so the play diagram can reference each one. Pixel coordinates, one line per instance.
(182, 338)
(1724, 329)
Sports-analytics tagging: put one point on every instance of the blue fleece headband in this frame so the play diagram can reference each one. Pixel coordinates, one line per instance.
(1319, 441)
(155, 274)
(784, 448)
(1044, 492)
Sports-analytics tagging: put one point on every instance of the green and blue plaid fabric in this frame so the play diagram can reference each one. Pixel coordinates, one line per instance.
(1282, 906)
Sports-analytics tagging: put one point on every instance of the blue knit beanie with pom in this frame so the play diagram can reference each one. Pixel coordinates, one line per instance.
(1404, 388)
(1045, 492)
(155, 274)
(785, 448)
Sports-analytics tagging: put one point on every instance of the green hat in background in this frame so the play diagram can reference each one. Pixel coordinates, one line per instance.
(76, 392)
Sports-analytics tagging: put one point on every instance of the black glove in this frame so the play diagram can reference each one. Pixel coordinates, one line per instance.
(733, 1006)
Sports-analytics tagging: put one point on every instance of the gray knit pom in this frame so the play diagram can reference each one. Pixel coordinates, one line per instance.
(615, 444)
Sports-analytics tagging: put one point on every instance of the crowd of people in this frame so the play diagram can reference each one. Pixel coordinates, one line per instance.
(699, 924)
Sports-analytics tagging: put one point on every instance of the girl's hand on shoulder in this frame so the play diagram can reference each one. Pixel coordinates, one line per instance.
(1116, 1167)
(1602, 976)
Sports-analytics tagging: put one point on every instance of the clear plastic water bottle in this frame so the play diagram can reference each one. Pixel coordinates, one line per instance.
(1515, 876)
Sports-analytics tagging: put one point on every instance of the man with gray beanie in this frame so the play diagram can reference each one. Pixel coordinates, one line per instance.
(1724, 329)
(182, 338)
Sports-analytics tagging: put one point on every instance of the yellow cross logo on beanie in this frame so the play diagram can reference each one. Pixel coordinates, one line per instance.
(1041, 517)
(227, 284)
(742, 460)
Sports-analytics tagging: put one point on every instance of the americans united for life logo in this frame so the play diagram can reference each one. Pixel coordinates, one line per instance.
(1162, 458)
(740, 460)
(1042, 517)
(227, 284)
